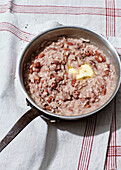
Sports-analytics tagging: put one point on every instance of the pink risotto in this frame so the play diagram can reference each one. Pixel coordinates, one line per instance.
(52, 81)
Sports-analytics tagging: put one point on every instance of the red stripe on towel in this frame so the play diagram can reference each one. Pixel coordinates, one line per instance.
(114, 18)
(87, 143)
(113, 150)
(106, 15)
(110, 17)
(22, 35)
(53, 9)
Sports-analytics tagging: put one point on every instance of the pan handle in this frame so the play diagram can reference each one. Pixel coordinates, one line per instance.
(19, 126)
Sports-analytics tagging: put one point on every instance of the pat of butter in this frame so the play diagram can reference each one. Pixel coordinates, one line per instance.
(84, 71)
(72, 71)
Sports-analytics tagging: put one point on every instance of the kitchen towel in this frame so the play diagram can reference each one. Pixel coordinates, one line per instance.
(92, 143)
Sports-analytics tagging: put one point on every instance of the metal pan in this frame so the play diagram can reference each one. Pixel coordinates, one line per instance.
(32, 47)
(75, 32)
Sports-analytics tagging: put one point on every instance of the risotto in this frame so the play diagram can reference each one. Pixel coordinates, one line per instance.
(70, 77)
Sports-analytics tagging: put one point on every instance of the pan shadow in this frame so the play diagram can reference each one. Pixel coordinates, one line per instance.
(50, 147)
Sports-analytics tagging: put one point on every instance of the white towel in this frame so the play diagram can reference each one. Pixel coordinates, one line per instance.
(40, 146)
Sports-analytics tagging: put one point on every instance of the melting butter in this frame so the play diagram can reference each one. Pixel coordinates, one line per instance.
(72, 71)
(84, 71)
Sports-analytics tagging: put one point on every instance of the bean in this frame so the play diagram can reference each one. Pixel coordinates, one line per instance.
(70, 110)
(91, 52)
(87, 54)
(61, 45)
(42, 81)
(41, 55)
(51, 76)
(73, 82)
(103, 58)
(31, 70)
(107, 72)
(52, 48)
(69, 43)
(98, 59)
(54, 85)
(66, 75)
(87, 106)
(66, 49)
(37, 64)
(96, 52)
(56, 62)
(48, 108)
(102, 86)
(46, 91)
(59, 78)
(49, 99)
(104, 91)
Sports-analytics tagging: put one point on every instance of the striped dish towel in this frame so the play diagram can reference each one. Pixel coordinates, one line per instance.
(89, 144)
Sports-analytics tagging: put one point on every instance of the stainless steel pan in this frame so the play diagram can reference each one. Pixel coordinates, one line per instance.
(32, 47)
